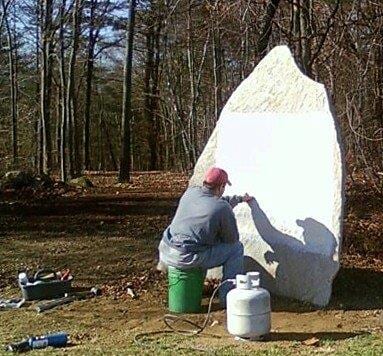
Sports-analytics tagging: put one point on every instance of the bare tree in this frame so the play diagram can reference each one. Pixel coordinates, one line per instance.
(12, 61)
(4, 10)
(46, 83)
(266, 30)
(92, 40)
(306, 33)
(71, 106)
(63, 95)
(151, 81)
(125, 159)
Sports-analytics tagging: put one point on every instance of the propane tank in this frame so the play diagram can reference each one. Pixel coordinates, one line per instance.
(248, 308)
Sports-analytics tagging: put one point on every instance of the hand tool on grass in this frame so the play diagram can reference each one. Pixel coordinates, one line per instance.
(39, 342)
(67, 299)
(14, 303)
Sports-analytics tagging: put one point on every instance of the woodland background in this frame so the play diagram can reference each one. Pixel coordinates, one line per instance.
(62, 76)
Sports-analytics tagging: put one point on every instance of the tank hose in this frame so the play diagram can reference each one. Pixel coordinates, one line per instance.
(170, 319)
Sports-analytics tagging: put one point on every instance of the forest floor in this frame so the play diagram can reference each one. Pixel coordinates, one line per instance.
(108, 236)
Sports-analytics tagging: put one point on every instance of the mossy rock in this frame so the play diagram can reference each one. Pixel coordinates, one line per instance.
(81, 182)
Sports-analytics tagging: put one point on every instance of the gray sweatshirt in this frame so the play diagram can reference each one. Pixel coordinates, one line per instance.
(202, 220)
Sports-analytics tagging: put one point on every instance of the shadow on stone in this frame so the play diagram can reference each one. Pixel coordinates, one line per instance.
(304, 270)
(352, 288)
(278, 303)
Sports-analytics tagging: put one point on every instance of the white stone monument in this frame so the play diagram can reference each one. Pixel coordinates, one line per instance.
(278, 141)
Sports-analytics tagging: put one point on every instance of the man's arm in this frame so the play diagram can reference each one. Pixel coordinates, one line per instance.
(233, 200)
(236, 199)
(228, 227)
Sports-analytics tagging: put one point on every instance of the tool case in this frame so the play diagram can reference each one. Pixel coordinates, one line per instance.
(40, 287)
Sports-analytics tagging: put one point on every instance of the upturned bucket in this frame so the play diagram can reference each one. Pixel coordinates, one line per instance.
(185, 290)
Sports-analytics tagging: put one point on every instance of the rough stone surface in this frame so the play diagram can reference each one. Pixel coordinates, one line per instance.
(278, 140)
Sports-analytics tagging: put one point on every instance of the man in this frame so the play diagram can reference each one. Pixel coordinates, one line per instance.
(204, 233)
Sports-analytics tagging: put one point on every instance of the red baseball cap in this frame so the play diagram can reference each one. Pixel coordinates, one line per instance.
(216, 176)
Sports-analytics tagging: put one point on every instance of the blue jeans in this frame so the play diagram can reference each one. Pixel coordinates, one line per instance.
(229, 256)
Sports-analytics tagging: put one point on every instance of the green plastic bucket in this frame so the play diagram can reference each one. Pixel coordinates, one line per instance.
(185, 290)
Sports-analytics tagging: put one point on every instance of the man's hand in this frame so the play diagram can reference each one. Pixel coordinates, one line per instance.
(247, 198)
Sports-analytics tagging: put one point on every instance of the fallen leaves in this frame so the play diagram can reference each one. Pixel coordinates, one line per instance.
(132, 287)
(363, 221)
(157, 182)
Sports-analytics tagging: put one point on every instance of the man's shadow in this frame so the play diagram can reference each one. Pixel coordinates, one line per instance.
(305, 270)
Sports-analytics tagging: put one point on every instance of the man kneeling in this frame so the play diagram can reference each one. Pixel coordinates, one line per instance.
(204, 233)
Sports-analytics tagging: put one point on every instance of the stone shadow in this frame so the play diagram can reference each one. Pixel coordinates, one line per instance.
(352, 288)
(305, 270)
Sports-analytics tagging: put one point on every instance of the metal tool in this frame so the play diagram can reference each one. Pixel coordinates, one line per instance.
(39, 342)
(11, 303)
(67, 299)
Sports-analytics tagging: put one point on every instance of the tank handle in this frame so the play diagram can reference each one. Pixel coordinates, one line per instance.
(254, 278)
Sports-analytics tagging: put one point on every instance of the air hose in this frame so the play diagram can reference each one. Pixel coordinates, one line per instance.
(170, 319)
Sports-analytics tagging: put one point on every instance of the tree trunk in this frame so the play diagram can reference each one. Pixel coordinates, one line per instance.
(378, 102)
(4, 6)
(88, 90)
(71, 107)
(13, 91)
(264, 36)
(101, 159)
(217, 70)
(296, 25)
(58, 126)
(151, 90)
(125, 159)
(63, 95)
(192, 113)
(46, 84)
(305, 39)
(38, 163)
(110, 146)
(148, 110)
(244, 28)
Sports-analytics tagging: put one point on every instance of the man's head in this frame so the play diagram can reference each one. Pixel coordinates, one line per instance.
(216, 179)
